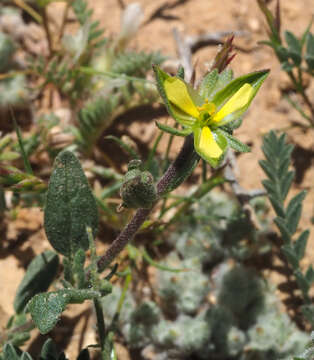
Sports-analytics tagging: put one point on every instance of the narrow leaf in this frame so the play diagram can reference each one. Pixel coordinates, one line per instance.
(295, 201)
(285, 184)
(310, 274)
(285, 233)
(173, 131)
(293, 43)
(269, 169)
(294, 218)
(290, 255)
(302, 281)
(128, 149)
(277, 205)
(300, 244)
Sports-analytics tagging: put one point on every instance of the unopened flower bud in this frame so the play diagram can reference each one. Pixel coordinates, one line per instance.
(138, 189)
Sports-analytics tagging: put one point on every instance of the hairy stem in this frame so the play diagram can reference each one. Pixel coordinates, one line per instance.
(174, 170)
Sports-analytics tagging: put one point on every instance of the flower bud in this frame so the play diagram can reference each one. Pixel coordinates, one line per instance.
(138, 189)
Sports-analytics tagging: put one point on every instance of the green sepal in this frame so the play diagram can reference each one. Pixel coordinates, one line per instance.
(46, 308)
(255, 79)
(70, 206)
(224, 78)
(38, 277)
(174, 131)
(208, 84)
(234, 143)
(181, 72)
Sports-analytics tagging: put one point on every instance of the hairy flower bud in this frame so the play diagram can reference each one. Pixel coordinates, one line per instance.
(138, 189)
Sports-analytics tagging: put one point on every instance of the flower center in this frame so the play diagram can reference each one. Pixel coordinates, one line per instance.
(206, 111)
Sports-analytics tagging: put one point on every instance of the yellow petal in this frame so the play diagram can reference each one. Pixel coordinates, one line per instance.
(238, 101)
(178, 94)
(207, 144)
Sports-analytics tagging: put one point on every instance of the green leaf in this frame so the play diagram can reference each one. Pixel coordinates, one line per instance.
(26, 356)
(285, 184)
(287, 66)
(70, 206)
(46, 308)
(309, 55)
(295, 48)
(294, 207)
(308, 312)
(310, 274)
(255, 79)
(49, 351)
(302, 281)
(268, 169)
(128, 149)
(306, 33)
(290, 255)
(174, 131)
(270, 187)
(300, 244)
(277, 205)
(294, 218)
(284, 230)
(282, 53)
(234, 143)
(9, 352)
(38, 277)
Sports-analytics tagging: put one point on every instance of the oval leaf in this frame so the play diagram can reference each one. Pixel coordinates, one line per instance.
(70, 206)
(46, 308)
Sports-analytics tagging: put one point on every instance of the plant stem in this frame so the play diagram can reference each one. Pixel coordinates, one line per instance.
(100, 323)
(299, 87)
(47, 30)
(174, 171)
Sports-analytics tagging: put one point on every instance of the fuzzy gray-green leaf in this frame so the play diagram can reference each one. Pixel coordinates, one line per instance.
(46, 308)
(39, 275)
(70, 206)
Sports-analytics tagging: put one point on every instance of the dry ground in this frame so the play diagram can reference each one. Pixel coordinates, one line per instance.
(269, 111)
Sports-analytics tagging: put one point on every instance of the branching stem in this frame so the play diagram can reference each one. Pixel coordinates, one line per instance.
(140, 216)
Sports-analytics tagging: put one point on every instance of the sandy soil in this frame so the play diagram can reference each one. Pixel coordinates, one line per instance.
(269, 111)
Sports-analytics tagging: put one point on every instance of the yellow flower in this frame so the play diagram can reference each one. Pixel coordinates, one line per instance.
(205, 115)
